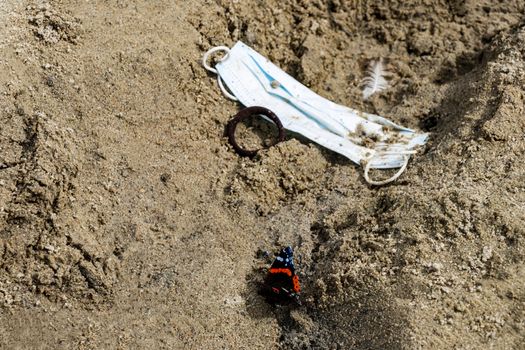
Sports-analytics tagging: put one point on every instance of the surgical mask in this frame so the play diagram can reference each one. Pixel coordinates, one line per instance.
(366, 139)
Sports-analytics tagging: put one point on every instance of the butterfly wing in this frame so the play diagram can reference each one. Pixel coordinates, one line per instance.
(284, 260)
(282, 282)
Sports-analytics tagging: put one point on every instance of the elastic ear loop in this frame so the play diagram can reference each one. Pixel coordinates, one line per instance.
(393, 177)
(213, 70)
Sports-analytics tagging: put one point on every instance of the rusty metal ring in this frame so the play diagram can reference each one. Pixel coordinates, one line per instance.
(247, 113)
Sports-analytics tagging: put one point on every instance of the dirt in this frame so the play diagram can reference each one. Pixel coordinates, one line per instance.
(127, 221)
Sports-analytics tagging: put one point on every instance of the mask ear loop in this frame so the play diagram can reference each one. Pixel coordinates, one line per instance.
(213, 70)
(393, 177)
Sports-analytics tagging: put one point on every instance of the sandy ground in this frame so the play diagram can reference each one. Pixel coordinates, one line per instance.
(128, 222)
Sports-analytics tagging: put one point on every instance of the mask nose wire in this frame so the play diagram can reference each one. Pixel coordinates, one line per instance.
(368, 164)
(213, 70)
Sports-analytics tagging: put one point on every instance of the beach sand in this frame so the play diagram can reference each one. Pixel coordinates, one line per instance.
(127, 221)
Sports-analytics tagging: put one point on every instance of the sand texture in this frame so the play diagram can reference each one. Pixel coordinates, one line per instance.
(127, 221)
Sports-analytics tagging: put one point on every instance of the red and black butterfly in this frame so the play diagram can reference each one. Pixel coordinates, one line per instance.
(281, 283)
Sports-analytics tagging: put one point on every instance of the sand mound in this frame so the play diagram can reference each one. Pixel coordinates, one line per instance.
(127, 221)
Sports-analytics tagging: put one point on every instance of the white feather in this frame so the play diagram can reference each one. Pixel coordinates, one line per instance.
(375, 81)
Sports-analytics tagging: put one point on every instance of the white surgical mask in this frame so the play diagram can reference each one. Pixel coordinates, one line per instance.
(366, 139)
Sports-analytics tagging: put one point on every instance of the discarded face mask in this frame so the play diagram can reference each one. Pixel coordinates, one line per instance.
(366, 139)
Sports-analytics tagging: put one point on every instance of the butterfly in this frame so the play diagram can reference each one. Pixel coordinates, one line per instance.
(281, 283)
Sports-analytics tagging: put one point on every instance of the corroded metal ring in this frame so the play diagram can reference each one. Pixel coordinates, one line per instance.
(247, 113)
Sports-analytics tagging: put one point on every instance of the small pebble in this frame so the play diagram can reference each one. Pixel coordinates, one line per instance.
(486, 254)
